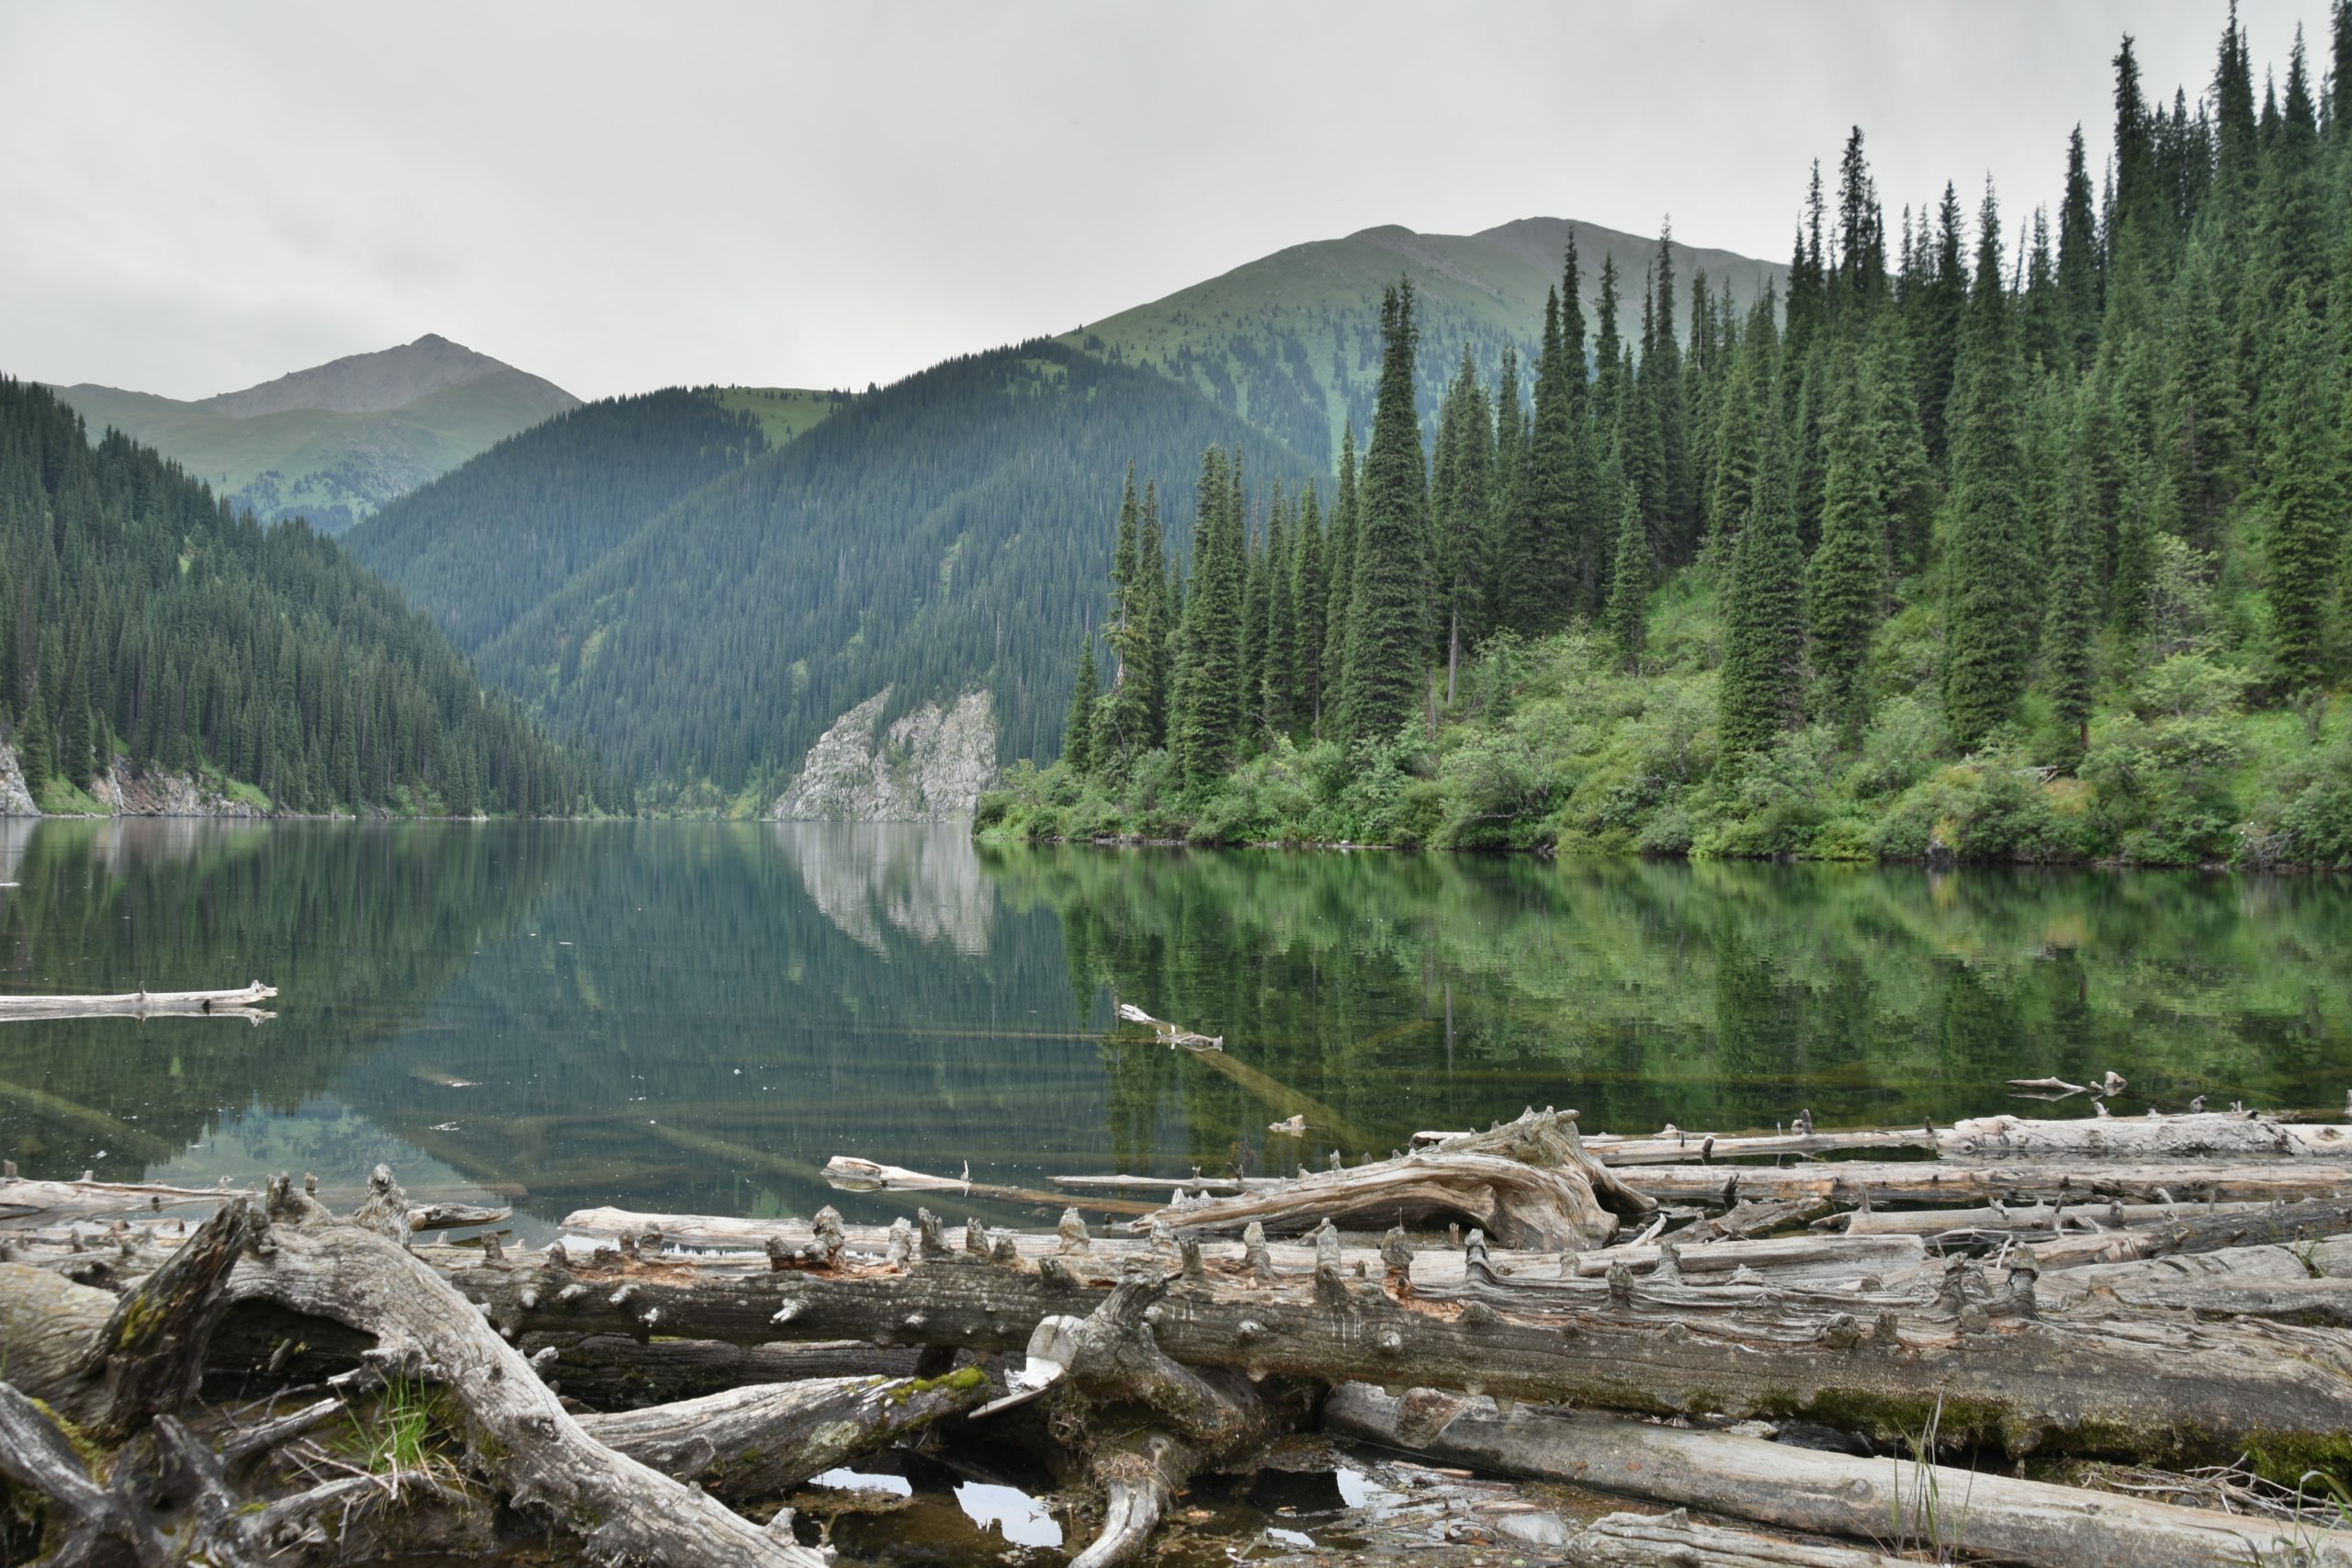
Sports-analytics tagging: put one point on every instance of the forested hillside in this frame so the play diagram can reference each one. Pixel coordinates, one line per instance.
(941, 534)
(1289, 342)
(140, 615)
(2015, 537)
(479, 547)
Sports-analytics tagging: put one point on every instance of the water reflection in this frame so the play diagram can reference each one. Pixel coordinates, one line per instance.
(694, 1016)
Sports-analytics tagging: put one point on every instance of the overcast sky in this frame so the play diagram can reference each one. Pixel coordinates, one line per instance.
(197, 198)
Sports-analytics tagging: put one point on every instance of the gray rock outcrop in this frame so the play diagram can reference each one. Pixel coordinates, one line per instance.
(928, 765)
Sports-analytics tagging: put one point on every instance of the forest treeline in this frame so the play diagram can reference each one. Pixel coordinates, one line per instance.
(142, 617)
(1992, 539)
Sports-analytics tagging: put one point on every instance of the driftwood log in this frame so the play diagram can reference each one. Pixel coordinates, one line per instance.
(139, 1004)
(1906, 1501)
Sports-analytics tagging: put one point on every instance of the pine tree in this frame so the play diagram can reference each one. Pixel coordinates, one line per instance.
(1209, 708)
(1676, 527)
(1309, 598)
(2304, 498)
(1608, 349)
(1986, 593)
(1762, 684)
(36, 752)
(1626, 618)
(1078, 730)
(1464, 527)
(1278, 658)
(2077, 279)
(1341, 566)
(1386, 629)
(1543, 549)
(1846, 582)
(2066, 639)
(77, 739)
(1935, 340)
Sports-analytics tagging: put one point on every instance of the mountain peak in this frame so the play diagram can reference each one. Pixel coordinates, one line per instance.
(370, 383)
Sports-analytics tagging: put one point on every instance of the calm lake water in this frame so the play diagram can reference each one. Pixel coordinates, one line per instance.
(682, 1016)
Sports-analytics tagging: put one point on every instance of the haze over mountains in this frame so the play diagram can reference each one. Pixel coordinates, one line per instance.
(335, 442)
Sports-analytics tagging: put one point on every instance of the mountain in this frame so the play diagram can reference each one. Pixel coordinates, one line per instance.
(481, 547)
(939, 535)
(334, 443)
(704, 600)
(1290, 343)
(143, 618)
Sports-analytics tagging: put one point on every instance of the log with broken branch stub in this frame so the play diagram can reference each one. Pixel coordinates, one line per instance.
(136, 1004)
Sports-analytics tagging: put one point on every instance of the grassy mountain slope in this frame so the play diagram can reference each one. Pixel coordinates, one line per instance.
(1289, 343)
(944, 533)
(783, 412)
(335, 442)
(484, 544)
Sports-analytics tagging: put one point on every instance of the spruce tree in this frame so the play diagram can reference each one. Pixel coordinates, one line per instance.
(1763, 689)
(1341, 566)
(1202, 728)
(1078, 730)
(2304, 495)
(2077, 277)
(2072, 622)
(77, 739)
(1464, 527)
(1846, 582)
(1626, 618)
(1278, 656)
(36, 751)
(1677, 523)
(1986, 593)
(1386, 628)
(1309, 598)
(1543, 549)
(1936, 327)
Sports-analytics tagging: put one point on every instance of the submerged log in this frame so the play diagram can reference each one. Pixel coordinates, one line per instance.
(28, 1202)
(1909, 1502)
(846, 1173)
(136, 1004)
(1672, 1540)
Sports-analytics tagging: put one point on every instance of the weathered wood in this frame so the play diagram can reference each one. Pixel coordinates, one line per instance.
(2206, 1135)
(613, 1371)
(754, 1444)
(1170, 1033)
(1951, 1509)
(47, 1326)
(28, 1202)
(452, 1216)
(846, 1173)
(149, 1355)
(134, 1004)
(1523, 1206)
(1676, 1144)
(516, 1432)
(1975, 1181)
(88, 1529)
(2051, 1219)
(1673, 1540)
(2150, 1387)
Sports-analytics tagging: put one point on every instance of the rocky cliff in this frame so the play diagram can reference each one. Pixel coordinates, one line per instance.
(15, 800)
(928, 765)
(127, 792)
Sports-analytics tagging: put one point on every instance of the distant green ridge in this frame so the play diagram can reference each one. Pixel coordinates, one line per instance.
(1289, 342)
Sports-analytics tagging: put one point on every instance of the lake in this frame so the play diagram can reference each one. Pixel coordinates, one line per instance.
(695, 1016)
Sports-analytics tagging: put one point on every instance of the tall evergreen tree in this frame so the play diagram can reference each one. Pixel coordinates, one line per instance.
(1987, 596)
(1202, 728)
(1386, 628)
(2304, 495)
(2067, 637)
(2078, 260)
(1677, 527)
(1935, 339)
(1763, 682)
(1078, 730)
(1340, 558)
(1846, 582)
(1310, 598)
(1627, 616)
(1544, 553)
(1465, 529)
(1278, 656)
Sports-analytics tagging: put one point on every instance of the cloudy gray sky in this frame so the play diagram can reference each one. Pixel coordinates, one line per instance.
(197, 198)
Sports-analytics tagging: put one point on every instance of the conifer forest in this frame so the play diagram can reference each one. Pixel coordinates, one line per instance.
(2012, 527)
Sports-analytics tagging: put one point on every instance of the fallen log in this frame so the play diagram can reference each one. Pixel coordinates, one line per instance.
(613, 1371)
(1672, 1540)
(1910, 1501)
(1940, 1181)
(1523, 1206)
(28, 1202)
(2151, 1387)
(134, 1004)
(847, 1173)
(1170, 1033)
(756, 1443)
(516, 1433)
(2198, 1134)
